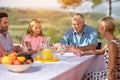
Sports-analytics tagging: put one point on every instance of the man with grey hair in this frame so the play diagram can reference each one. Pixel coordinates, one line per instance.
(80, 36)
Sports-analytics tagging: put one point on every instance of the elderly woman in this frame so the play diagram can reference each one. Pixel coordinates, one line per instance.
(111, 52)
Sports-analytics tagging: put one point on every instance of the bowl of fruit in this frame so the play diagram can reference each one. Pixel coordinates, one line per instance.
(17, 62)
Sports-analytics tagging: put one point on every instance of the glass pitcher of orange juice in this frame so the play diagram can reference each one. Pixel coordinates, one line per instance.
(46, 52)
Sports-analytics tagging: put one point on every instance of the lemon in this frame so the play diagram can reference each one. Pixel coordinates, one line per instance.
(21, 58)
(6, 60)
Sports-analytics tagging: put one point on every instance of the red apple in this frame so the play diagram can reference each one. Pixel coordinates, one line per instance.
(17, 62)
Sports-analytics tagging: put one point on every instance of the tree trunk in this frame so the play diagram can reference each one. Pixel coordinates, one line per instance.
(109, 8)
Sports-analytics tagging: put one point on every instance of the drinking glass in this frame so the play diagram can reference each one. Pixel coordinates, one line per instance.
(39, 51)
(41, 47)
(55, 50)
(47, 41)
(62, 50)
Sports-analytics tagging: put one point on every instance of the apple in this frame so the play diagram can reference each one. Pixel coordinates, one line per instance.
(28, 61)
(17, 62)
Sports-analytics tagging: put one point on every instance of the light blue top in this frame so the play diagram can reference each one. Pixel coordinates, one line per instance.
(89, 36)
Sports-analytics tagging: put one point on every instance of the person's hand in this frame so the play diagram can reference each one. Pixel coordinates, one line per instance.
(78, 52)
(70, 48)
(17, 48)
(57, 45)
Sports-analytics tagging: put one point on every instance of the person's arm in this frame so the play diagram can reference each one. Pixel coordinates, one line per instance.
(79, 52)
(16, 48)
(72, 48)
(113, 51)
(2, 53)
(89, 47)
(63, 40)
(67, 37)
(26, 44)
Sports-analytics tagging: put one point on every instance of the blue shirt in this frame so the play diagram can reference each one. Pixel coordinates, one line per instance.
(88, 37)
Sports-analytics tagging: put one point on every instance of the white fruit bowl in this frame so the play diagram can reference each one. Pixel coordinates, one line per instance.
(17, 68)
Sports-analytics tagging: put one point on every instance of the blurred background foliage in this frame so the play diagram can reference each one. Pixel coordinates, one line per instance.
(54, 23)
(74, 3)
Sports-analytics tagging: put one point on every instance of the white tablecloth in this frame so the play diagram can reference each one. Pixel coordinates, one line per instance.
(70, 68)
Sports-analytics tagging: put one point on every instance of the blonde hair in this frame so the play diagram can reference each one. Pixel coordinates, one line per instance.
(109, 23)
(31, 24)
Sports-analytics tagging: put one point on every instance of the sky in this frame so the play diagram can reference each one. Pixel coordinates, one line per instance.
(47, 4)
(53, 4)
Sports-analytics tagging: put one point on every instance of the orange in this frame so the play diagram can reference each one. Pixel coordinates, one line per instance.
(13, 55)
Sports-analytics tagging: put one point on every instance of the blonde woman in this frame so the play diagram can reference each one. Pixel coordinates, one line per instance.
(111, 52)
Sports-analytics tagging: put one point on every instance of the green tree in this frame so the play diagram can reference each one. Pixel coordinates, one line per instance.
(66, 3)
